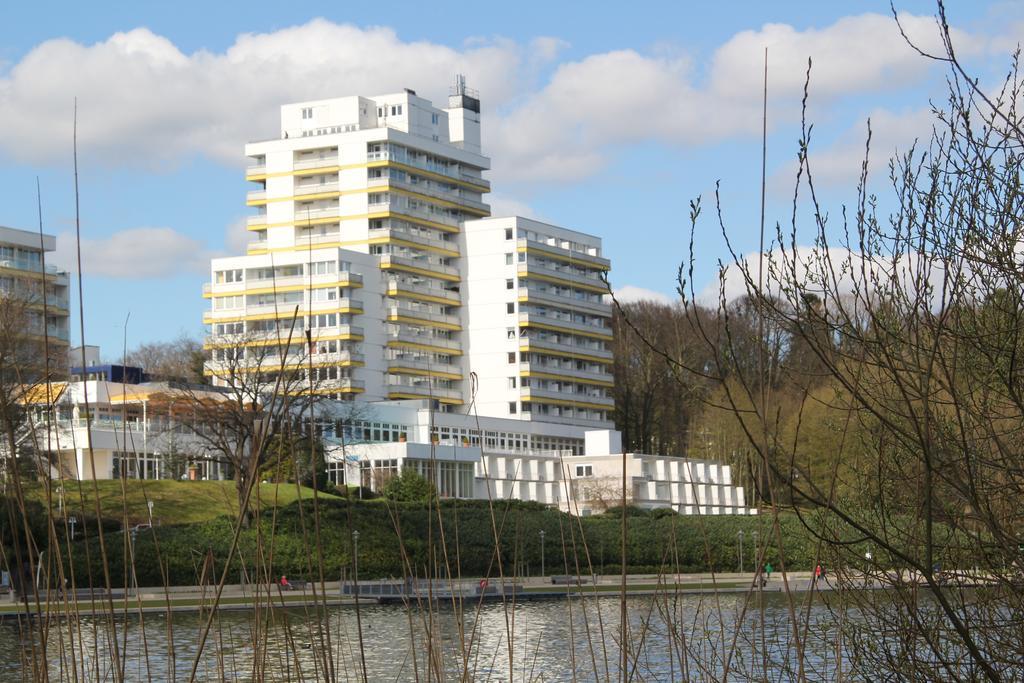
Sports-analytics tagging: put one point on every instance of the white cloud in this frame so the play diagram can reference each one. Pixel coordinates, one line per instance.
(137, 253)
(502, 205)
(630, 293)
(839, 163)
(237, 236)
(838, 271)
(852, 55)
(144, 102)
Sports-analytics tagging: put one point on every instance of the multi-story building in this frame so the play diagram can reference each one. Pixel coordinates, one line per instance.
(575, 469)
(97, 429)
(364, 194)
(371, 233)
(539, 328)
(34, 299)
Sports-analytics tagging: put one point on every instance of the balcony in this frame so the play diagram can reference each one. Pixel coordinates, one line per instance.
(423, 390)
(259, 168)
(539, 395)
(390, 234)
(346, 303)
(568, 373)
(453, 196)
(528, 270)
(568, 326)
(258, 219)
(315, 188)
(395, 364)
(338, 358)
(404, 336)
(302, 214)
(399, 208)
(403, 262)
(397, 287)
(320, 162)
(404, 311)
(550, 298)
(537, 345)
(256, 196)
(577, 257)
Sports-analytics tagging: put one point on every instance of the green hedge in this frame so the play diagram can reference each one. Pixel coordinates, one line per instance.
(659, 539)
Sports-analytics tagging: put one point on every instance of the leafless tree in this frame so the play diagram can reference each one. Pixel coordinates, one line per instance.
(910, 328)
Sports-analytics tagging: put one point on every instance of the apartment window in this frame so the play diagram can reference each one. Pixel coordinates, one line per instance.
(221, 303)
(522, 257)
(511, 407)
(323, 267)
(223, 276)
(510, 307)
(508, 259)
(511, 357)
(380, 112)
(510, 333)
(307, 112)
(511, 382)
(323, 320)
(510, 284)
(396, 110)
(434, 118)
(584, 470)
(327, 294)
(508, 233)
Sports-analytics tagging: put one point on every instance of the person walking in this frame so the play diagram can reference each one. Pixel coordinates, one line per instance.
(768, 569)
(818, 570)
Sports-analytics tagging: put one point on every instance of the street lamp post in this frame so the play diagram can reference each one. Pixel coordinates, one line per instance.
(355, 559)
(149, 503)
(542, 553)
(740, 534)
(72, 521)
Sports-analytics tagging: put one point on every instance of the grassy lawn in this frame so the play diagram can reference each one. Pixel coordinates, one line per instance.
(174, 502)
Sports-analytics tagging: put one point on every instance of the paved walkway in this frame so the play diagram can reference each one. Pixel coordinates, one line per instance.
(236, 596)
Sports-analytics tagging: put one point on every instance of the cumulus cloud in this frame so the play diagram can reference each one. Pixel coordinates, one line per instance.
(502, 205)
(630, 293)
(839, 163)
(838, 271)
(144, 102)
(854, 54)
(137, 253)
(237, 236)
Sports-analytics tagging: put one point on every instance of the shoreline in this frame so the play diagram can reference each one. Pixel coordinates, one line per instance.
(184, 599)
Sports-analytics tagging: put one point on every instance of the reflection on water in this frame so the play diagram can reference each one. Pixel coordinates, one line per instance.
(670, 638)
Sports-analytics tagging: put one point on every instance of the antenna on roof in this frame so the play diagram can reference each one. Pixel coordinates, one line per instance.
(461, 96)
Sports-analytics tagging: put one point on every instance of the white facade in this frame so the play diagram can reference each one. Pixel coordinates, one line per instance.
(500, 458)
(538, 328)
(131, 431)
(390, 179)
(42, 288)
(392, 187)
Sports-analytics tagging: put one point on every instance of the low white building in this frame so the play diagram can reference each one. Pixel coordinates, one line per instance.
(127, 428)
(494, 458)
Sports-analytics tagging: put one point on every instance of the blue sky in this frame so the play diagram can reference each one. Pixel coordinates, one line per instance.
(607, 118)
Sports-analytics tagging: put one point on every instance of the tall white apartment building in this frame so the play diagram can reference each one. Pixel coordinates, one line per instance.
(538, 328)
(370, 231)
